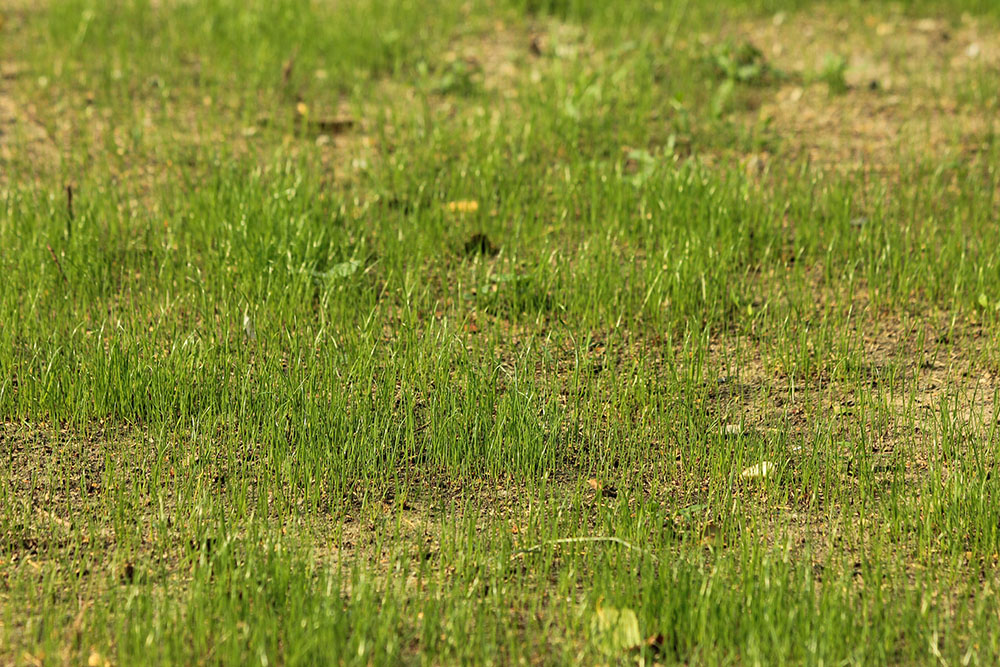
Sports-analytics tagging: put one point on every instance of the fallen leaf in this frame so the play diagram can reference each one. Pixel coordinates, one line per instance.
(30, 659)
(602, 489)
(463, 206)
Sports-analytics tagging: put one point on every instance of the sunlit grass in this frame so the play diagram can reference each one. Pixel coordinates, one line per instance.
(387, 334)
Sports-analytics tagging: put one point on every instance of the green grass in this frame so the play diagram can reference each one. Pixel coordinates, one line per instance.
(269, 394)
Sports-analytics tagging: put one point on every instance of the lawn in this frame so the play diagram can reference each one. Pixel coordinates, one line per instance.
(499, 331)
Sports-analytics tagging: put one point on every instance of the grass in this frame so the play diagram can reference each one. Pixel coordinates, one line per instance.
(364, 333)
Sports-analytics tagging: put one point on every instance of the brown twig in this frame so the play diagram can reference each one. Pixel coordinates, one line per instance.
(69, 211)
(288, 68)
(58, 265)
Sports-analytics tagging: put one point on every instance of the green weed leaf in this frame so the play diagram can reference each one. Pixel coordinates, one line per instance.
(615, 630)
(342, 270)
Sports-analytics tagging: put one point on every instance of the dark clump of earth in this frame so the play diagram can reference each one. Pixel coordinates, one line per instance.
(480, 244)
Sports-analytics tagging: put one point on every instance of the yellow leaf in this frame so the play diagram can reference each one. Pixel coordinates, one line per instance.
(463, 206)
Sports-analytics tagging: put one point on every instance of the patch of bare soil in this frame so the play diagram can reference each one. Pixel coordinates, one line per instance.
(501, 54)
(54, 484)
(26, 147)
(907, 404)
(915, 88)
(23, 141)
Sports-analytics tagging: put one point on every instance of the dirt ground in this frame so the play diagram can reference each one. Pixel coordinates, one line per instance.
(913, 89)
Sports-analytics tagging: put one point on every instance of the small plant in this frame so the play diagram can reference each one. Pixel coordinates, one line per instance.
(832, 73)
(742, 63)
(457, 77)
(738, 65)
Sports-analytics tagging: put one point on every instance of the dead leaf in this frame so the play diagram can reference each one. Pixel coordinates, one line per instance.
(480, 244)
(603, 490)
(287, 69)
(331, 125)
(536, 46)
(653, 642)
(30, 659)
